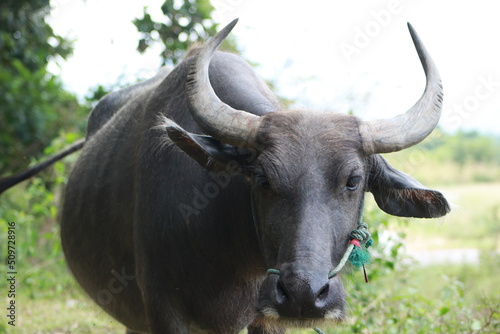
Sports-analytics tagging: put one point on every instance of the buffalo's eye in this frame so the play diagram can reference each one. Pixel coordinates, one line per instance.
(353, 182)
(262, 181)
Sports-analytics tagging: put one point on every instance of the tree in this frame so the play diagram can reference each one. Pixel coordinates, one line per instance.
(472, 147)
(186, 22)
(34, 107)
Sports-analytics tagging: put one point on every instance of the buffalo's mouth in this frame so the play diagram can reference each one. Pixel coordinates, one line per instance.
(271, 326)
(300, 299)
(270, 319)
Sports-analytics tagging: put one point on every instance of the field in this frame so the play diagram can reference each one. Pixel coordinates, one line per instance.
(402, 296)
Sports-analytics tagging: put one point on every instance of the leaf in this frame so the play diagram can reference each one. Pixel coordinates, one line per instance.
(443, 310)
(476, 325)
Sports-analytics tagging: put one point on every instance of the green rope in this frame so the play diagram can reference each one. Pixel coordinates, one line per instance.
(342, 262)
(273, 271)
(360, 240)
(360, 256)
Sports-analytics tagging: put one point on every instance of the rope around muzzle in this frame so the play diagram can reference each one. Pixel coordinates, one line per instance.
(356, 253)
(359, 240)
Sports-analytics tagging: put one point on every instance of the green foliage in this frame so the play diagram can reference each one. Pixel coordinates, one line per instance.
(34, 107)
(33, 208)
(461, 157)
(25, 36)
(468, 147)
(186, 21)
(410, 311)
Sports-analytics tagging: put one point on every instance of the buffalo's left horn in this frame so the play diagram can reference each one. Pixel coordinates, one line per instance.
(232, 126)
(405, 130)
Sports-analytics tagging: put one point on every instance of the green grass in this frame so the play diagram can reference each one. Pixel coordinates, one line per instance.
(66, 313)
(478, 282)
(48, 300)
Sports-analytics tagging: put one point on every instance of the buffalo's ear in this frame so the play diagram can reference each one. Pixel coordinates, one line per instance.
(207, 151)
(400, 195)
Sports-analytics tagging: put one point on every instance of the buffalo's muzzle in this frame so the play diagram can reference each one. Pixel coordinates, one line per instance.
(301, 295)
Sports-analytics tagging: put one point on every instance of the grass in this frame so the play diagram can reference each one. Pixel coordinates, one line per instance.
(48, 300)
(67, 313)
(479, 282)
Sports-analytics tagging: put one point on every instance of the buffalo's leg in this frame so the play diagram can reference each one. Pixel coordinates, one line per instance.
(164, 320)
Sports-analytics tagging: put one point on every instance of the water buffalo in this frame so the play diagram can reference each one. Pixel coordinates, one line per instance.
(192, 185)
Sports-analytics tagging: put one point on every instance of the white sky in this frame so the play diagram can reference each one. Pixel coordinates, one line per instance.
(303, 46)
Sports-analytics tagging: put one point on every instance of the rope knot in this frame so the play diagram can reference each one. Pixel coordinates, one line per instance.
(362, 239)
(362, 234)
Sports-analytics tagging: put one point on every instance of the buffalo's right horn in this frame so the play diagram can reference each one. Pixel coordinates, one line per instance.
(232, 126)
(405, 130)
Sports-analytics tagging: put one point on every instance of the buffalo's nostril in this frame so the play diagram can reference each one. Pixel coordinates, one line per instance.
(302, 295)
(281, 294)
(323, 293)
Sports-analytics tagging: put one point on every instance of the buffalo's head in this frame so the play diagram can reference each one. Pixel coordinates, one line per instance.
(309, 171)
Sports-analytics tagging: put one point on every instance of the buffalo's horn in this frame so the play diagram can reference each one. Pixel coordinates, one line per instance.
(232, 126)
(405, 130)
